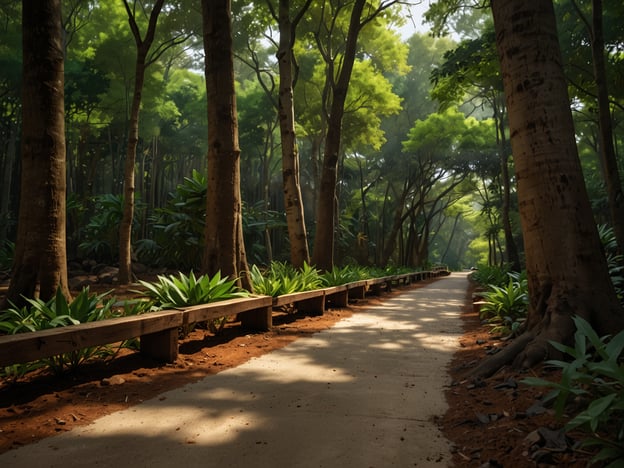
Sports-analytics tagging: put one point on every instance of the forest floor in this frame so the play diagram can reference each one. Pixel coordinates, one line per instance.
(495, 422)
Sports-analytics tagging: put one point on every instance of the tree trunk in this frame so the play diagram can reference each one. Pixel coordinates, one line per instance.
(7, 177)
(125, 227)
(293, 202)
(389, 246)
(225, 247)
(323, 255)
(566, 269)
(40, 263)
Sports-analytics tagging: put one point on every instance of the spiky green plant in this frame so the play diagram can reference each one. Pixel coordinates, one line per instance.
(338, 276)
(183, 290)
(282, 278)
(506, 306)
(57, 312)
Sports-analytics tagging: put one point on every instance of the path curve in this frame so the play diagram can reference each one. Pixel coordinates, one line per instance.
(360, 394)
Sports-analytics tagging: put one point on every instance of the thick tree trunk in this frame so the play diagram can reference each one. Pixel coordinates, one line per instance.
(40, 263)
(290, 154)
(323, 255)
(225, 248)
(566, 269)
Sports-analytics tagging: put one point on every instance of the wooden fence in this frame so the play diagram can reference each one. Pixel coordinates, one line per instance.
(158, 332)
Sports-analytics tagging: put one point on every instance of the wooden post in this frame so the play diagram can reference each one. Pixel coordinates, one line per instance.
(258, 319)
(162, 345)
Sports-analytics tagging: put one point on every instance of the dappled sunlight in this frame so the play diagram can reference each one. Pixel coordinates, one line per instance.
(297, 368)
(392, 345)
(365, 389)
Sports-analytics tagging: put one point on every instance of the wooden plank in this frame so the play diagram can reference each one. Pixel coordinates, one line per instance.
(286, 299)
(376, 285)
(337, 296)
(314, 305)
(201, 313)
(162, 345)
(26, 347)
(405, 278)
(258, 319)
(417, 276)
(357, 289)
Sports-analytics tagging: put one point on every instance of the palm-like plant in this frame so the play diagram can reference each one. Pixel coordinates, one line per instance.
(338, 276)
(506, 306)
(188, 290)
(282, 278)
(57, 312)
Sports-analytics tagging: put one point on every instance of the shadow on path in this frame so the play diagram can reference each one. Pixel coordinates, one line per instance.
(360, 394)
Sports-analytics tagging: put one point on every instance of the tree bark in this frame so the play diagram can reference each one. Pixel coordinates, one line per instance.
(293, 202)
(40, 262)
(125, 227)
(225, 247)
(6, 190)
(323, 254)
(566, 269)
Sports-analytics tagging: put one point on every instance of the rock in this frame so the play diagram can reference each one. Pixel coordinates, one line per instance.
(102, 268)
(509, 383)
(81, 281)
(114, 380)
(536, 409)
(108, 275)
(532, 438)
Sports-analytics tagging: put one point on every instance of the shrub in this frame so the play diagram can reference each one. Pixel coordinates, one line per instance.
(615, 261)
(282, 278)
(595, 378)
(185, 290)
(179, 226)
(506, 306)
(101, 233)
(344, 275)
(487, 275)
(57, 312)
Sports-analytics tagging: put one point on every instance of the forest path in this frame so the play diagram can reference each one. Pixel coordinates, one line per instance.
(360, 394)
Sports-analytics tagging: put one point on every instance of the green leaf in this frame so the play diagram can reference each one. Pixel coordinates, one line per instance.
(593, 414)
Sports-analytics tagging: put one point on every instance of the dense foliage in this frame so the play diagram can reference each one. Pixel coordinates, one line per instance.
(591, 388)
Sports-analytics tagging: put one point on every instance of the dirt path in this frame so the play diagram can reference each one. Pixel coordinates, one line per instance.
(361, 393)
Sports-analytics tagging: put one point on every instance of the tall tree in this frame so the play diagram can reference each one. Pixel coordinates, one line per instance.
(40, 262)
(567, 272)
(594, 78)
(143, 45)
(338, 75)
(10, 109)
(225, 246)
(293, 200)
(607, 153)
(144, 57)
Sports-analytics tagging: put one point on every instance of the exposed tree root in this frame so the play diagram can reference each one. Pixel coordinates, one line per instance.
(493, 363)
(552, 321)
